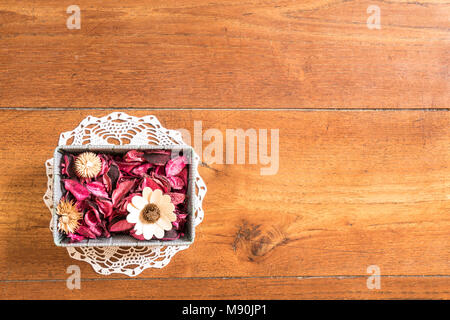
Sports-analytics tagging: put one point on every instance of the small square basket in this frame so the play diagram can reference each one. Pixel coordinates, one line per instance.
(125, 240)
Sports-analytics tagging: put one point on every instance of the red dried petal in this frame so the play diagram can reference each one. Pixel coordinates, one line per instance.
(175, 165)
(86, 232)
(76, 189)
(122, 189)
(176, 182)
(134, 235)
(141, 170)
(127, 166)
(120, 226)
(90, 218)
(97, 230)
(134, 155)
(176, 197)
(105, 206)
(149, 182)
(97, 189)
(171, 235)
(159, 159)
(107, 182)
(184, 175)
(181, 220)
(75, 237)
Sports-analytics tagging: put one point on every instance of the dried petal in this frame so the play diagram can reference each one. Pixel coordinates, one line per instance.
(105, 206)
(127, 166)
(107, 182)
(171, 235)
(176, 197)
(134, 235)
(175, 165)
(75, 237)
(122, 189)
(122, 225)
(114, 174)
(76, 189)
(90, 218)
(86, 232)
(159, 159)
(141, 170)
(97, 189)
(179, 223)
(134, 155)
(97, 230)
(184, 175)
(176, 182)
(149, 182)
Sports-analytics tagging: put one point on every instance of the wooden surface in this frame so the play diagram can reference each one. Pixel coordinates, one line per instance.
(354, 188)
(225, 54)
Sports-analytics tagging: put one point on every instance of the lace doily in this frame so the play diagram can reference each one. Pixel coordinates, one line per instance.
(120, 128)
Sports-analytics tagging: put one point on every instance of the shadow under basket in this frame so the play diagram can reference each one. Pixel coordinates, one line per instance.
(123, 240)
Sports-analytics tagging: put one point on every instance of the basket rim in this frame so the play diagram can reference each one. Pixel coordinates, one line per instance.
(124, 240)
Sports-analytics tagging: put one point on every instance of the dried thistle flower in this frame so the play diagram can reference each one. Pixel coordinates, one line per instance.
(68, 216)
(88, 165)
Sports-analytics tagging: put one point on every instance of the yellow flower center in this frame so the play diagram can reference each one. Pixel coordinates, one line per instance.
(150, 213)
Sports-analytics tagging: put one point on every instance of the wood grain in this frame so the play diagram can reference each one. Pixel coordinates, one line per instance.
(318, 288)
(228, 54)
(353, 189)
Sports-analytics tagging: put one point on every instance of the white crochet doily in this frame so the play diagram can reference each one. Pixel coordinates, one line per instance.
(120, 128)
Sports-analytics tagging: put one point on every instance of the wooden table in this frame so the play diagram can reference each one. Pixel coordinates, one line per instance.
(364, 141)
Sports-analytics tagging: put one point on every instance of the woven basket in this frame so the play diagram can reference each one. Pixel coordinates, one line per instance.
(125, 240)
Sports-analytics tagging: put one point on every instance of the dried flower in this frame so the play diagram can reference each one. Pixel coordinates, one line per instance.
(152, 213)
(88, 165)
(68, 216)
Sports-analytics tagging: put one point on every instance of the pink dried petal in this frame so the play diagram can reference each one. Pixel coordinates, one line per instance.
(160, 170)
(176, 197)
(171, 235)
(105, 229)
(122, 189)
(67, 166)
(75, 237)
(97, 230)
(97, 189)
(175, 165)
(184, 175)
(114, 174)
(149, 182)
(76, 189)
(179, 223)
(159, 159)
(107, 182)
(105, 206)
(122, 225)
(134, 155)
(134, 235)
(105, 164)
(142, 169)
(127, 166)
(86, 232)
(90, 218)
(163, 182)
(176, 182)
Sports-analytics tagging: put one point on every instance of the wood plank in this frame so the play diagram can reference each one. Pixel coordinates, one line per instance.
(353, 189)
(232, 54)
(318, 288)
